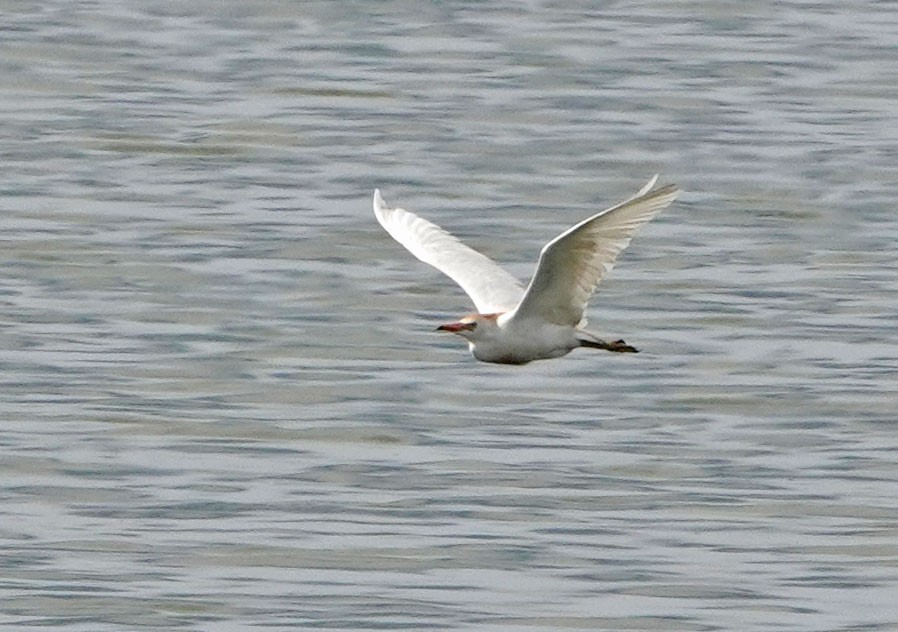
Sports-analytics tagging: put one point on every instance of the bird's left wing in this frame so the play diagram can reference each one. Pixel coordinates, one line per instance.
(571, 265)
(490, 287)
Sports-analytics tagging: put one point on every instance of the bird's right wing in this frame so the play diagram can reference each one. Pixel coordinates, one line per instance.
(490, 287)
(571, 265)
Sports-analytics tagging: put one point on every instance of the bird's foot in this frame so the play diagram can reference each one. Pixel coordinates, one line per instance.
(619, 346)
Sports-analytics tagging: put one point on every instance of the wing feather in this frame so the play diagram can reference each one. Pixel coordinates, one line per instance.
(490, 287)
(572, 265)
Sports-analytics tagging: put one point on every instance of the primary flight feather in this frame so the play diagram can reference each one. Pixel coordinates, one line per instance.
(514, 325)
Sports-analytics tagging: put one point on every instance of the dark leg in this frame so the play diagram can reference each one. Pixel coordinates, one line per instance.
(618, 346)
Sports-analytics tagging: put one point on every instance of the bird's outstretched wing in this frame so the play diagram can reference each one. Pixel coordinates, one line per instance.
(490, 287)
(571, 265)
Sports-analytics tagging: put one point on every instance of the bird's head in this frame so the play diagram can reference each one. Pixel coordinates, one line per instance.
(473, 327)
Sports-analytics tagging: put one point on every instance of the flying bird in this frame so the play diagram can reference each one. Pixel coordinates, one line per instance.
(514, 325)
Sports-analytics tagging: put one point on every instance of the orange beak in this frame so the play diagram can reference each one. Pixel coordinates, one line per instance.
(457, 327)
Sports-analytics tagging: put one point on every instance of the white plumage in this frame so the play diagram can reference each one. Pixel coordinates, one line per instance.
(514, 325)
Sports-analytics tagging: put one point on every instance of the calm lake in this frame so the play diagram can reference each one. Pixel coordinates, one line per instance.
(222, 402)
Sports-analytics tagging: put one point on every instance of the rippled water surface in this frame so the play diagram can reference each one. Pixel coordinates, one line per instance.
(222, 403)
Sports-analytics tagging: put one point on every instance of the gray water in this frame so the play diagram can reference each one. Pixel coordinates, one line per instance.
(222, 403)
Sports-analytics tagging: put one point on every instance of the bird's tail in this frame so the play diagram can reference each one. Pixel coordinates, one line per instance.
(592, 341)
